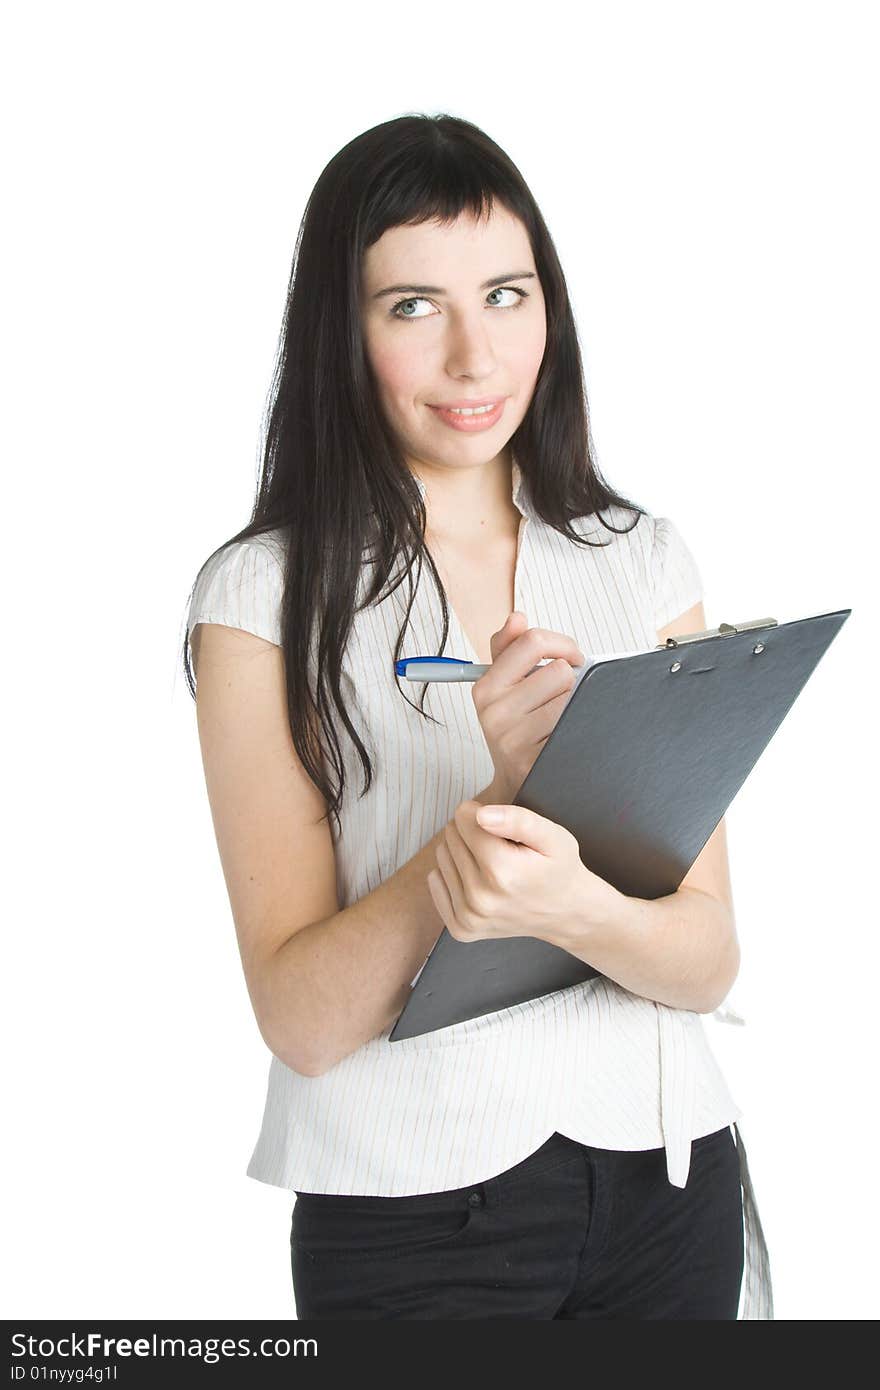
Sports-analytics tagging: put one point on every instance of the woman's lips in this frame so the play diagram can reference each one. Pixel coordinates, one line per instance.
(470, 424)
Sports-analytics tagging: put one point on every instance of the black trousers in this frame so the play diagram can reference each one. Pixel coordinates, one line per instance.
(572, 1232)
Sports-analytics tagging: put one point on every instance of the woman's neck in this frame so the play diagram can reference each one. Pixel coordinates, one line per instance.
(467, 506)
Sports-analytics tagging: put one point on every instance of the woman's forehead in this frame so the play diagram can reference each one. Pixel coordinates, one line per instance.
(416, 251)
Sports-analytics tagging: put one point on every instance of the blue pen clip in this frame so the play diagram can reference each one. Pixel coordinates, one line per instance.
(401, 665)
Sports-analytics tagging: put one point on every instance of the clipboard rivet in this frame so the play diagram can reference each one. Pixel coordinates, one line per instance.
(758, 647)
(676, 666)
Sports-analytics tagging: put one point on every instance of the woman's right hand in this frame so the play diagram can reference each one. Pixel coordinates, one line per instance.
(517, 711)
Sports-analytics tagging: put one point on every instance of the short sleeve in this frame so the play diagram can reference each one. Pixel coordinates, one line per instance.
(676, 581)
(240, 586)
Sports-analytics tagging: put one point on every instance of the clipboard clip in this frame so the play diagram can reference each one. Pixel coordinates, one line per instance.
(723, 630)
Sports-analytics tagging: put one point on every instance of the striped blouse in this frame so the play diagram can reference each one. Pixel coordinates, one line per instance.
(597, 1063)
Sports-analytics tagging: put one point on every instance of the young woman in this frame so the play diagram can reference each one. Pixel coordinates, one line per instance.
(568, 1157)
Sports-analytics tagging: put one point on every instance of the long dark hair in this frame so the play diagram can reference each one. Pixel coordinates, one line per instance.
(332, 475)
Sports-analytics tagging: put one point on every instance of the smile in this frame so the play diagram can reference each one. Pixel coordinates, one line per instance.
(470, 419)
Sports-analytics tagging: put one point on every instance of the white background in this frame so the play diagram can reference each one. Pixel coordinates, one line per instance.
(708, 174)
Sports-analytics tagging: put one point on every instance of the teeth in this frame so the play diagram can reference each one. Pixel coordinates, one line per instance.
(477, 410)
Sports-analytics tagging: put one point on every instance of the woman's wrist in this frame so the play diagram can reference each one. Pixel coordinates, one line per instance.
(493, 795)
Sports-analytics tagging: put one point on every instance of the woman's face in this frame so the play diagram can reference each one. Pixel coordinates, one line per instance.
(436, 334)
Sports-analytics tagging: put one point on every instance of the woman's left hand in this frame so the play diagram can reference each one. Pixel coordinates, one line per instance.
(520, 877)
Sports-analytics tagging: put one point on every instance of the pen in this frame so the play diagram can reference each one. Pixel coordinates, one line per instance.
(442, 668)
(453, 668)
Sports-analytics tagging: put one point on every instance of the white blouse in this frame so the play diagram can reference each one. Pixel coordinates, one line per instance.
(602, 1065)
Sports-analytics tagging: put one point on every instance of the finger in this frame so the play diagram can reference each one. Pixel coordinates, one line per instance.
(524, 826)
(518, 657)
(481, 857)
(441, 899)
(452, 879)
(543, 720)
(550, 685)
(515, 624)
(456, 843)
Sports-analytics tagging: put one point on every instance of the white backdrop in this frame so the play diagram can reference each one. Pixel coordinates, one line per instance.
(706, 173)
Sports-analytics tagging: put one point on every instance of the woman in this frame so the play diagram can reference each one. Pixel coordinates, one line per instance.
(572, 1156)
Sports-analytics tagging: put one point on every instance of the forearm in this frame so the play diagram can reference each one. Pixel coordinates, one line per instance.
(680, 949)
(345, 979)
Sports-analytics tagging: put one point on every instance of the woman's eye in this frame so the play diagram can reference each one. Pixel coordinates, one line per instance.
(405, 304)
(519, 297)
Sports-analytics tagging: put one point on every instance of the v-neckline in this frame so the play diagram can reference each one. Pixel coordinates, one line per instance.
(468, 649)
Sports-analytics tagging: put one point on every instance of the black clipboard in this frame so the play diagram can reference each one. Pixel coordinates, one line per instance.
(643, 762)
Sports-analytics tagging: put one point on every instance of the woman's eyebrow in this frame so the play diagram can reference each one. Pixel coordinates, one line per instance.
(435, 289)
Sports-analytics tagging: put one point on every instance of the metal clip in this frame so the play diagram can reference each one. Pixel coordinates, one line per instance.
(723, 630)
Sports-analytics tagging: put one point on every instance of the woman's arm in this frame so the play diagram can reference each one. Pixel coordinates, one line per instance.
(340, 981)
(681, 949)
(321, 981)
(522, 875)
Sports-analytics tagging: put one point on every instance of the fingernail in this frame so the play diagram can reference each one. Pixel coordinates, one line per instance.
(490, 815)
